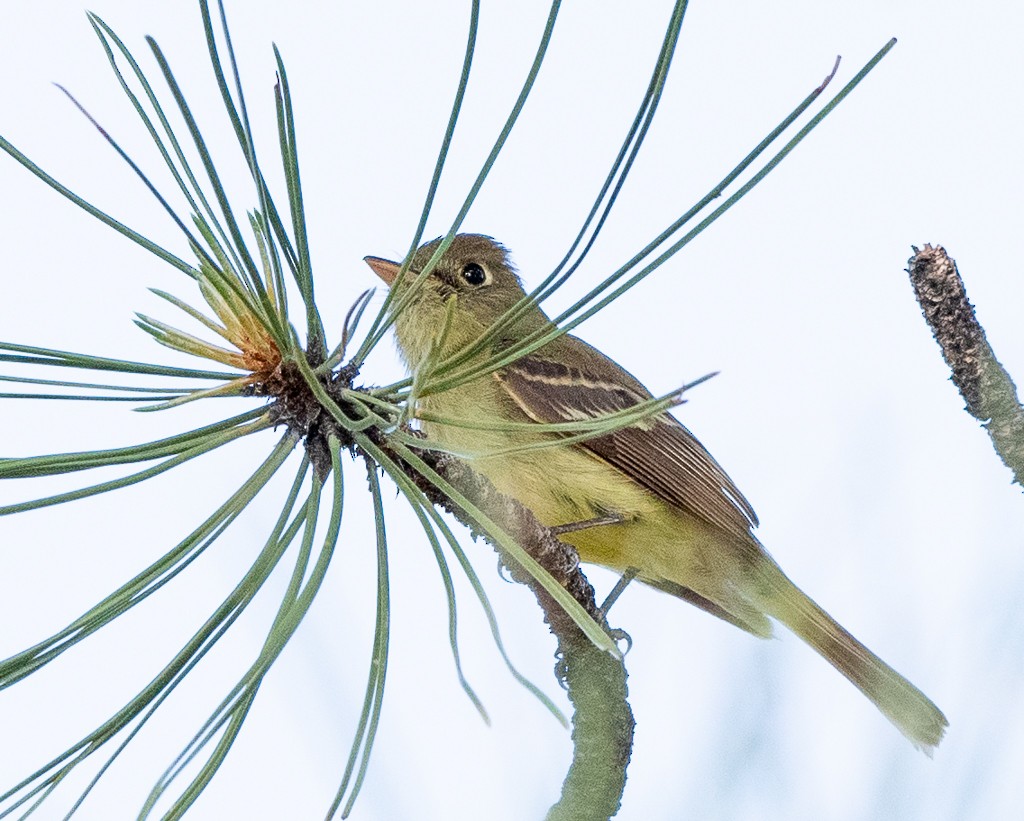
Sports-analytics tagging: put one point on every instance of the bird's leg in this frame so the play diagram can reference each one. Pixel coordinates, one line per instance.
(623, 582)
(620, 585)
(503, 572)
(572, 527)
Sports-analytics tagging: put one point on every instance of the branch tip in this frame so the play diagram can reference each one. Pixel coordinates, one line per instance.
(988, 391)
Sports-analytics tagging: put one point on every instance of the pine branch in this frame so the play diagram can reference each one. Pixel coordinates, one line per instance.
(985, 385)
(594, 679)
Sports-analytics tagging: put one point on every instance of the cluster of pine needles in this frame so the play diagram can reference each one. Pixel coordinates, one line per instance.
(254, 283)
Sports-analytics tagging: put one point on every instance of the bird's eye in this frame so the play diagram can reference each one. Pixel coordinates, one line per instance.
(474, 274)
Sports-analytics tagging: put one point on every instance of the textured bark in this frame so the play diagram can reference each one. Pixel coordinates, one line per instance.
(987, 389)
(594, 680)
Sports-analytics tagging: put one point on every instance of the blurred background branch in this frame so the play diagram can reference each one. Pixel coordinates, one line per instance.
(984, 384)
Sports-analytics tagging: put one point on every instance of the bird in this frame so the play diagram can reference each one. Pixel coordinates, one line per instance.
(658, 504)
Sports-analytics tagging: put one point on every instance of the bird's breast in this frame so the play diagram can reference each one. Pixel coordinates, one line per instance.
(560, 484)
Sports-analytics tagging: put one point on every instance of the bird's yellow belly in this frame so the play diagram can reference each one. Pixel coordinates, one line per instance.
(567, 484)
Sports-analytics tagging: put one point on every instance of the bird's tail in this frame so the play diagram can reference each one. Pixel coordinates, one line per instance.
(901, 702)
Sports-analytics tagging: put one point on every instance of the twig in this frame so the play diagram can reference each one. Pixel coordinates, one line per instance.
(594, 680)
(986, 387)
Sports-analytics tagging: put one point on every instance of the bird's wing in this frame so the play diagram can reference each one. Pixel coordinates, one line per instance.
(659, 453)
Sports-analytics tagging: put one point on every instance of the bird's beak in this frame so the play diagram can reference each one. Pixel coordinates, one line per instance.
(384, 268)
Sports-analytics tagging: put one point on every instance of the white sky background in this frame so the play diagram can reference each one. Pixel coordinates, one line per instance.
(833, 412)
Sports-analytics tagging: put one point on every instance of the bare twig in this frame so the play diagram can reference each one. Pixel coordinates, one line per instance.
(986, 387)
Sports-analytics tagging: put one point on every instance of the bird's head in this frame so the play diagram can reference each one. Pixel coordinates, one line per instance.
(474, 280)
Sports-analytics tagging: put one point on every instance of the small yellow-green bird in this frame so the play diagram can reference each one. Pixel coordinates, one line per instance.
(679, 521)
